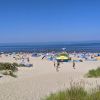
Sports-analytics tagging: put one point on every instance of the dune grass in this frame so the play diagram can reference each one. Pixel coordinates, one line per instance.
(8, 69)
(75, 93)
(8, 66)
(18, 65)
(94, 73)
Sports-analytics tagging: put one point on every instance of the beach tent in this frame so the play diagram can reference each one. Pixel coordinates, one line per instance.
(62, 57)
(35, 55)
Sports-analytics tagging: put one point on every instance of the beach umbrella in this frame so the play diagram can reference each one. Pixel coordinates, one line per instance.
(62, 57)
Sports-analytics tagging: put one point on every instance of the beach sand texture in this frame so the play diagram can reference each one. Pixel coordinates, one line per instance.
(42, 79)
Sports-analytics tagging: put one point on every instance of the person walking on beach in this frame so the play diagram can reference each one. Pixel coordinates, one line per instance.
(43, 57)
(54, 64)
(28, 59)
(57, 67)
(73, 64)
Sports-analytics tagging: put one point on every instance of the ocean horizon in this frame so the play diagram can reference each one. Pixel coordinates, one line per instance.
(88, 46)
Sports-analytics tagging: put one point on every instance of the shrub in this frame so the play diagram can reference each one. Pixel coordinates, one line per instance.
(8, 68)
(15, 64)
(94, 73)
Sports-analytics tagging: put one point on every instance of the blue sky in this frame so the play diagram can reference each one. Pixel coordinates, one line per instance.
(49, 20)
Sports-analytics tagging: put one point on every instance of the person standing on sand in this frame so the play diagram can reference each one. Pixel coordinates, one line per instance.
(28, 59)
(54, 64)
(54, 61)
(58, 64)
(73, 64)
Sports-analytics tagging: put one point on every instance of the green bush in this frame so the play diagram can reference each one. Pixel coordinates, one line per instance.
(15, 64)
(21, 65)
(8, 66)
(8, 69)
(94, 73)
(18, 65)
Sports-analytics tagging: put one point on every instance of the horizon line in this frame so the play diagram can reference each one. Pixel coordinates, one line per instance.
(50, 42)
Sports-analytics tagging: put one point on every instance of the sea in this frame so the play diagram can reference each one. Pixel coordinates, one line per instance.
(49, 47)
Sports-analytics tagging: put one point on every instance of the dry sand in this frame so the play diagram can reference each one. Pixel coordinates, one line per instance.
(42, 79)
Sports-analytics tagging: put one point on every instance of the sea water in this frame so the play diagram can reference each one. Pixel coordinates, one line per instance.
(70, 47)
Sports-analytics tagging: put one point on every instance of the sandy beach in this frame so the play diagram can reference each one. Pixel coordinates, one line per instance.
(49, 49)
(42, 79)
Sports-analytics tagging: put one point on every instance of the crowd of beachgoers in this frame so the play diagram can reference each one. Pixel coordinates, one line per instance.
(76, 56)
(24, 58)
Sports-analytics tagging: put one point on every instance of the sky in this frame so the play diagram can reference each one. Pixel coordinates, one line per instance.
(49, 20)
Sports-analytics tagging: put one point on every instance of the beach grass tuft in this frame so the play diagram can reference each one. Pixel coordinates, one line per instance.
(8, 66)
(75, 93)
(8, 69)
(94, 73)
